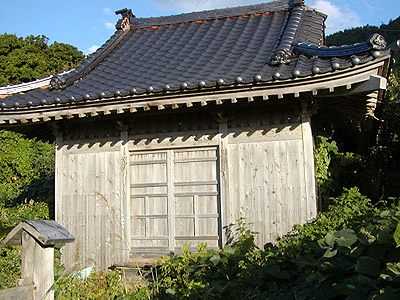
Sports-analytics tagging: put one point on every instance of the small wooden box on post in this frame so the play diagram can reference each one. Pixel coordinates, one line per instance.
(37, 240)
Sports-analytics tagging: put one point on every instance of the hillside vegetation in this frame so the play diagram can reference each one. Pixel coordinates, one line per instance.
(390, 31)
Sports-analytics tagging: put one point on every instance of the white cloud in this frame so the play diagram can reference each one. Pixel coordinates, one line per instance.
(92, 49)
(107, 12)
(109, 26)
(198, 5)
(339, 18)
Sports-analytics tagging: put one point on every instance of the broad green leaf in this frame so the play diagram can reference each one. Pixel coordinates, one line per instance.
(216, 259)
(330, 239)
(346, 237)
(385, 237)
(395, 268)
(396, 235)
(368, 266)
(322, 244)
(228, 250)
(330, 253)
(366, 237)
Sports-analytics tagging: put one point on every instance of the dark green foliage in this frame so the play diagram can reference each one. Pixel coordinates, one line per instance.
(26, 190)
(26, 169)
(348, 211)
(331, 263)
(23, 60)
(373, 169)
(361, 34)
(383, 160)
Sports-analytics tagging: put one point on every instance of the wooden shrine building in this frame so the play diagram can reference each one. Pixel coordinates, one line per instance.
(178, 126)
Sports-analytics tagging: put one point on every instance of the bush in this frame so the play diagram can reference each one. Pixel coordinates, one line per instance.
(349, 252)
(99, 285)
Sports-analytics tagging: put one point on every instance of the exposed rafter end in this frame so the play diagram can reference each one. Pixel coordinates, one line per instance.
(296, 94)
(146, 108)
(175, 106)
(94, 114)
(265, 97)
(160, 107)
(45, 119)
(107, 112)
(250, 99)
(331, 89)
(218, 101)
(120, 111)
(81, 115)
(189, 104)
(314, 92)
(234, 100)
(203, 103)
(132, 110)
(280, 96)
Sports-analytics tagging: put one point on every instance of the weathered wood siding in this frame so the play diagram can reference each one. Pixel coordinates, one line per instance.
(91, 202)
(160, 181)
(266, 175)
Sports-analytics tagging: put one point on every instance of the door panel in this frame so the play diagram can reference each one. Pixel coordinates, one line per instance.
(174, 198)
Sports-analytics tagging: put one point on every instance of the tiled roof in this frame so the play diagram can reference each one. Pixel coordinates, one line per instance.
(224, 48)
(27, 86)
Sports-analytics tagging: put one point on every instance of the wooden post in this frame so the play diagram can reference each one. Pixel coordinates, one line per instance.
(37, 267)
(37, 240)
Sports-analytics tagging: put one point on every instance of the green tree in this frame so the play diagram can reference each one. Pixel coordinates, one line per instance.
(389, 31)
(30, 58)
(26, 169)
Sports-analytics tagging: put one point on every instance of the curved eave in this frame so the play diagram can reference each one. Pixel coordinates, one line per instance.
(359, 80)
(28, 86)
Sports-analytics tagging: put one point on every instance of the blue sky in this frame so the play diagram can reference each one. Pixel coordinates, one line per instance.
(87, 24)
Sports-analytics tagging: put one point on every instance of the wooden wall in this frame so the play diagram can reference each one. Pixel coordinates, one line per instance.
(265, 174)
(91, 191)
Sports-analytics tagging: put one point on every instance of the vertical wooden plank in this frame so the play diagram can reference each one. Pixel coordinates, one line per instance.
(99, 191)
(79, 202)
(91, 207)
(125, 231)
(59, 178)
(309, 172)
(259, 197)
(171, 199)
(277, 228)
(225, 208)
(267, 190)
(284, 187)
